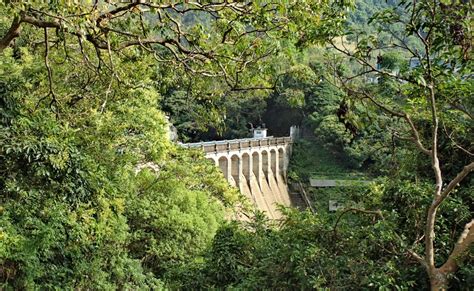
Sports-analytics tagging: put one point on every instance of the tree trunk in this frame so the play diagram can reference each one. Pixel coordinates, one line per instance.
(439, 276)
(438, 280)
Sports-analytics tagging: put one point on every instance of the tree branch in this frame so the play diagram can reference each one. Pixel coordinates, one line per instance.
(466, 239)
(50, 74)
(12, 33)
(111, 13)
(418, 258)
(415, 134)
(15, 28)
(39, 23)
(431, 217)
(364, 62)
(455, 182)
(455, 143)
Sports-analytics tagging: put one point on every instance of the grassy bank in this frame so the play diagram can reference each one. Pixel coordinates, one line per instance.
(310, 159)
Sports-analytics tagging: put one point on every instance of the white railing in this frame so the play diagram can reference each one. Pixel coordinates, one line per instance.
(237, 144)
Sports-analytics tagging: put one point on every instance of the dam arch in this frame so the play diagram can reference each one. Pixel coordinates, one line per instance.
(256, 164)
(247, 166)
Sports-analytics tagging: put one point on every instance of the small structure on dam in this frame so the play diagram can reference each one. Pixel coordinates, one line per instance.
(257, 166)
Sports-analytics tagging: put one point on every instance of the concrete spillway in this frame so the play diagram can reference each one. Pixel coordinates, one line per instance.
(265, 195)
(283, 187)
(259, 195)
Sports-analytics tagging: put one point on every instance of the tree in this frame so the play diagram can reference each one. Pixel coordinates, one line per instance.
(88, 193)
(216, 39)
(306, 252)
(204, 49)
(434, 99)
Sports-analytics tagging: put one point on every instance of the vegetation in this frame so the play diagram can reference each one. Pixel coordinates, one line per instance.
(310, 159)
(428, 99)
(94, 195)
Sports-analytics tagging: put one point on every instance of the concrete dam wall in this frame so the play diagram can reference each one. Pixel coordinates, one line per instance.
(256, 166)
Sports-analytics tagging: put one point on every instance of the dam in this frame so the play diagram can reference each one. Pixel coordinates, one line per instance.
(256, 166)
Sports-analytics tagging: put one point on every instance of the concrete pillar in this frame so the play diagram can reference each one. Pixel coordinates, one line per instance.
(229, 172)
(236, 169)
(265, 162)
(282, 162)
(241, 175)
(224, 165)
(274, 162)
(247, 166)
(257, 164)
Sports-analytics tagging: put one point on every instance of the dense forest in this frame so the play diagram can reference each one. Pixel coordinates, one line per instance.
(95, 193)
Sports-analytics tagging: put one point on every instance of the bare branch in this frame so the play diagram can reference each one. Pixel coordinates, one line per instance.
(418, 258)
(431, 217)
(462, 109)
(111, 13)
(253, 88)
(455, 182)
(364, 62)
(50, 73)
(455, 143)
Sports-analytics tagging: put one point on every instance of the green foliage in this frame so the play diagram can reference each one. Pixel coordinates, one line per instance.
(310, 159)
(94, 196)
(351, 247)
(422, 118)
(173, 219)
(62, 213)
(366, 244)
(304, 253)
(77, 208)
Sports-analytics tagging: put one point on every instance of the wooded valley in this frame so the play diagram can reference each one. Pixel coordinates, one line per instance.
(97, 193)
